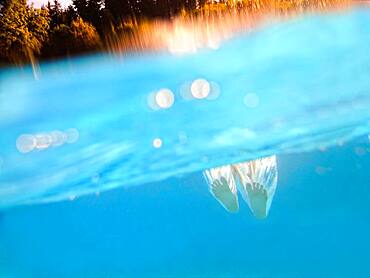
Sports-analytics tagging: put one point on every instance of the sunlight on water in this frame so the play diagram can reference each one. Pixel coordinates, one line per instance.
(200, 88)
(162, 99)
(81, 129)
(27, 142)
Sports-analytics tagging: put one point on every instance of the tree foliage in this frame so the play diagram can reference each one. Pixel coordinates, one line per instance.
(56, 13)
(84, 35)
(38, 26)
(23, 30)
(56, 31)
(80, 35)
(90, 11)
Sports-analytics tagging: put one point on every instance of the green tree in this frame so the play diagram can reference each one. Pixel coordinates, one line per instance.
(59, 42)
(85, 35)
(56, 13)
(38, 25)
(23, 30)
(90, 11)
(121, 9)
(79, 37)
(81, 8)
(2, 4)
(95, 12)
(69, 15)
(14, 35)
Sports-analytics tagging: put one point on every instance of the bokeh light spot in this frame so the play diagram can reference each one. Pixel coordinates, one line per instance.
(58, 138)
(164, 98)
(43, 141)
(26, 143)
(157, 143)
(72, 135)
(200, 88)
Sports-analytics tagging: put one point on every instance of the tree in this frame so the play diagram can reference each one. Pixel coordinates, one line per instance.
(90, 11)
(59, 15)
(120, 9)
(23, 30)
(79, 37)
(58, 45)
(148, 8)
(2, 4)
(69, 15)
(14, 34)
(85, 36)
(81, 8)
(56, 13)
(38, 25)
(95, 11)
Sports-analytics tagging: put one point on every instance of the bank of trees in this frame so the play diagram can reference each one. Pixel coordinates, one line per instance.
(50, 31)
(23, 29)
(27, 32)
(53, 30)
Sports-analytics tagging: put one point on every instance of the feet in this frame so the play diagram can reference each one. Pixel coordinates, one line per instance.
(258, 198)
(256, 181)
(222, 192)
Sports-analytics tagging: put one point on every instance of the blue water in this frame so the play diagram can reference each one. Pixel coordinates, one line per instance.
(318, 226)
(311, 76)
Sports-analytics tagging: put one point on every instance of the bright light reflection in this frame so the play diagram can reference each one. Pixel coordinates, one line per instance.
(157, 143)
(58, 138)
(43, 141)
(200, 88)
(28, 142)
(164, 98)
(72, 135)
(182, 41)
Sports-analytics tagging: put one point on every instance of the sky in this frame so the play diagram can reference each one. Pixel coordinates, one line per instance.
(38, 3)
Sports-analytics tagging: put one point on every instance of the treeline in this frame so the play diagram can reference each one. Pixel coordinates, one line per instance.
(51, 31)
(28, 33)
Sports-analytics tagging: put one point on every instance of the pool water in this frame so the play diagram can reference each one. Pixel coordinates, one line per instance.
(97, 181)
(318, 226)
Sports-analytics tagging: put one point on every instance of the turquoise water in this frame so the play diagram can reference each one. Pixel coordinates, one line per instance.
(298, 89)
(318, 226)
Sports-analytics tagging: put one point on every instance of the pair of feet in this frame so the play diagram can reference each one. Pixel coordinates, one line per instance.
(256, 181)
(257, 197)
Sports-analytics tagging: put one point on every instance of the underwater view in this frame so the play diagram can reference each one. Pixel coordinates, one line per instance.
(237, 156)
